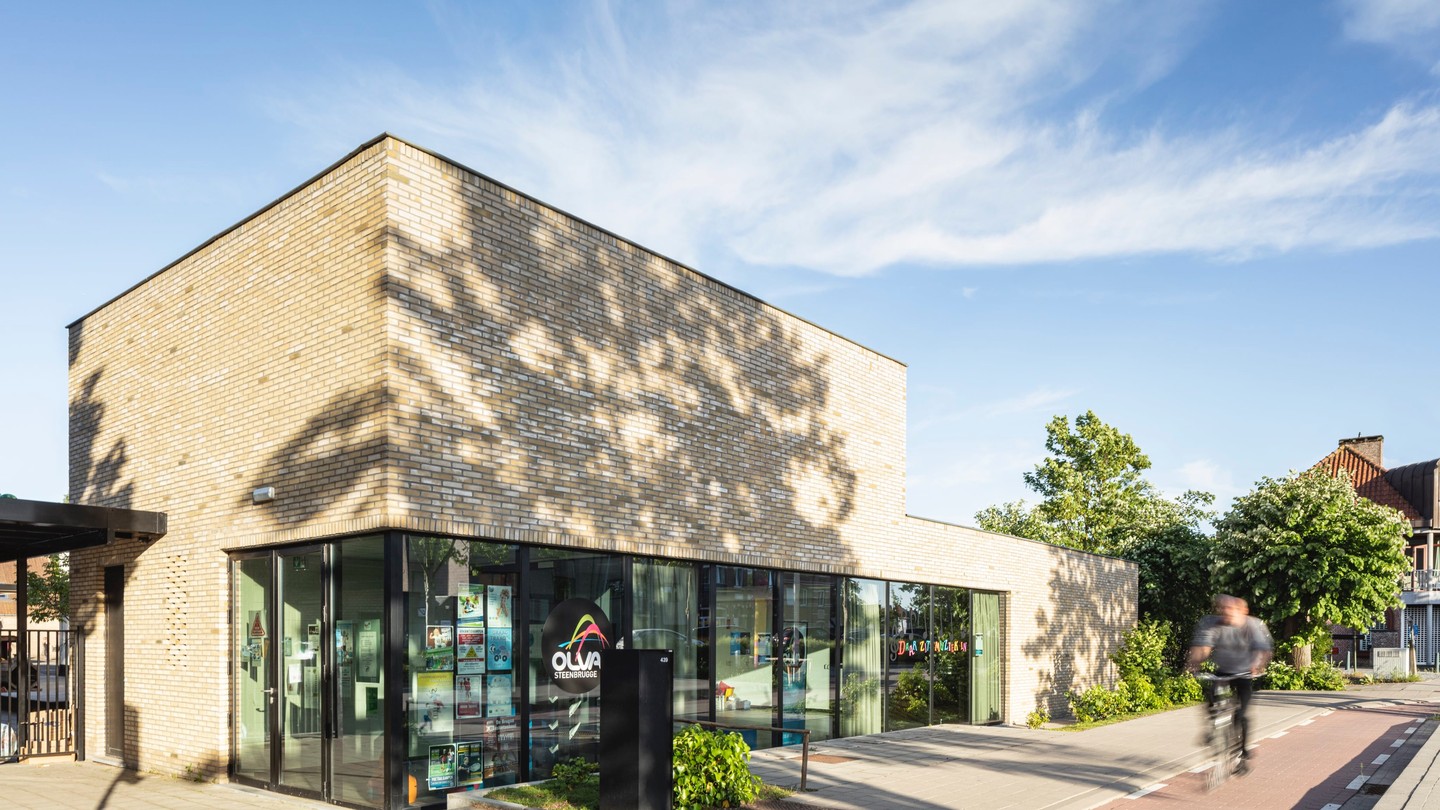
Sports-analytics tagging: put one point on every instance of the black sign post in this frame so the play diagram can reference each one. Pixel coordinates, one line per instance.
(636, 728)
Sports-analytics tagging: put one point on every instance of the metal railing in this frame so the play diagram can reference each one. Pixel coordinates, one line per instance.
(39, 700)
(1421, 579)
(803, 732)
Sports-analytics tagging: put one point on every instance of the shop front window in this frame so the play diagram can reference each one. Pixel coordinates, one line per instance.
(807, 652)
(951, 651)
(987, 658)
(863, 671)
(564, 716)
(746, 653)
(667, 601)
(461, 698)
(908, 678)
(357, 750)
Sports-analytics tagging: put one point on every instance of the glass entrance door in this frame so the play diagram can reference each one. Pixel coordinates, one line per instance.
(280, 670)
(302, 670)
(254, 668)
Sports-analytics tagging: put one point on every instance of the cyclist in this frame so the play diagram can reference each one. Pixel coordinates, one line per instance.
(1240, 647)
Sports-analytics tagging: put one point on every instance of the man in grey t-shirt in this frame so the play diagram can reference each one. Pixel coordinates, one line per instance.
(1240, 647)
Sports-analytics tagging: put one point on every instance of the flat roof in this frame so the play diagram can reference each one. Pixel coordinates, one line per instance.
(42, 528)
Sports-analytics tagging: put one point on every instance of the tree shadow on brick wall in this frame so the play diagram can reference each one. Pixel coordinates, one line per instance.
(95, 481)
(1066, 642)
(597, 391)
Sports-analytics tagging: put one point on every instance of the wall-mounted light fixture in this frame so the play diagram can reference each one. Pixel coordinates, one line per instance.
(263, 495)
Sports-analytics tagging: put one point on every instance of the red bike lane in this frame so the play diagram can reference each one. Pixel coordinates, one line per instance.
(1317, 765)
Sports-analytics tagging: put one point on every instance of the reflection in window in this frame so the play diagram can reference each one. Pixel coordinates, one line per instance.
(666, 600)
(565, 725)
(951, 651)
(807, 647)
(746, 650)
(863, 602)
(461, 718)
(908, 682)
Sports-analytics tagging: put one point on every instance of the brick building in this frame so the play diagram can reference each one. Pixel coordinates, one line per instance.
(1413, 490)
(404, 415)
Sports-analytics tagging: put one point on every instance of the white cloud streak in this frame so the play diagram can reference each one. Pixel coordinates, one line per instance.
(865, 135)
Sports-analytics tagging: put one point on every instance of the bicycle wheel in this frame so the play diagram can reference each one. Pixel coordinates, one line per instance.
(1222, 750)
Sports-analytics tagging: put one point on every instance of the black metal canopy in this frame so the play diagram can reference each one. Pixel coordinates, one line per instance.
(41, 528)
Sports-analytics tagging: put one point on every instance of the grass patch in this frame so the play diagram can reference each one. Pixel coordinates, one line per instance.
(551, 795)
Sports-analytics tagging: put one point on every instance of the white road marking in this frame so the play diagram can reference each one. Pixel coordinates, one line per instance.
(1356, 783)
(1277, 735)
(1137, 794)
(1380, 760)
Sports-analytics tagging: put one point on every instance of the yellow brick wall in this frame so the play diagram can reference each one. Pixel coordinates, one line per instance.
(258, 359)
(401, 343)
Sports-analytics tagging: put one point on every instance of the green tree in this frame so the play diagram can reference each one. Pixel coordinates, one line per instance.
(1091, 486)
(50, 589)
(1306, 551)
(1015, 519)
(1095, 497)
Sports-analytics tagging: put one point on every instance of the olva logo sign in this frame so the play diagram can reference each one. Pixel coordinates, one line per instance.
(575, 632)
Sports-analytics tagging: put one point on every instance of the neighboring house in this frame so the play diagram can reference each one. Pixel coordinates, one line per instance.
(8, 600)
(1411, 489)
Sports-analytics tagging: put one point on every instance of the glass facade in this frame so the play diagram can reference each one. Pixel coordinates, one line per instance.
(460, 691)
(391, 671)
(565, 725)
(746, 672)
(864, 651)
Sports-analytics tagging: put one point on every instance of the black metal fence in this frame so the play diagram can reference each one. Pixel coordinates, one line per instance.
(40, 691)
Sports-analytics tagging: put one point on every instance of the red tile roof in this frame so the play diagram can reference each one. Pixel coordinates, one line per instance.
(1368, 479)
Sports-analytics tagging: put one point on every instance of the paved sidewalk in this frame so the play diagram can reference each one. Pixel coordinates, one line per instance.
(925, 769)
(995, 767)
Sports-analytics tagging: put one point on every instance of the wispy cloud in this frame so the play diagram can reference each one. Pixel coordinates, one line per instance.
(1206, 475)
(852, 137)
(1043, 399)
(1410, 26)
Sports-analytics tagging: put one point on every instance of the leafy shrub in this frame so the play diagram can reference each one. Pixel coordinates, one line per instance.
(1182, 688)
(574, 773)
(711, 769)
(1280, 675)
(1322, 676)
(1037, 718)
(1145, 696)
(1099, 703)
(1142, 651)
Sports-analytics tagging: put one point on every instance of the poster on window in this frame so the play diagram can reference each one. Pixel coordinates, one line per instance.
(368, 652)
(470, 649)
(497, 643)
(468, 689)
(497, 606)
(439, 648)
(471, 609)
(499, 696)
(433, 709)
(442, 767)
(469, 763)
(505, 755)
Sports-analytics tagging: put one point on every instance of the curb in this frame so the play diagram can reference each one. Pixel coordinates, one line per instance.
(1414, 788)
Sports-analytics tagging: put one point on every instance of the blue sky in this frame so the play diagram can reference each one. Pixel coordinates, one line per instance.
(1216, 224)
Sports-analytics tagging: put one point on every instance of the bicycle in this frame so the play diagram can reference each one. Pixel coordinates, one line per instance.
(1222, 734)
